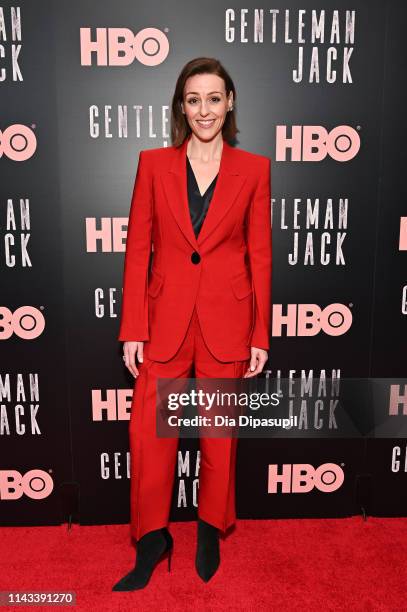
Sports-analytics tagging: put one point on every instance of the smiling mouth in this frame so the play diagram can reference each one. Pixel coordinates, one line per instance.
(205, 123)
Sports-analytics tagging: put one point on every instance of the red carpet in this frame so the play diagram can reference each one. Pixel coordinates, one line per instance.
(282, 565)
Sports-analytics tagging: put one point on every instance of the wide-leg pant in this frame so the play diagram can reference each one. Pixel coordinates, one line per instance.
(152, 459)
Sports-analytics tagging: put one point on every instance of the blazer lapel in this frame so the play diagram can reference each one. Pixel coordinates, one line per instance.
(228, 185)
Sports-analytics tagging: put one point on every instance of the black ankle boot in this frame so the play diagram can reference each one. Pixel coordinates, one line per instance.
(151, 548)
(207, 553)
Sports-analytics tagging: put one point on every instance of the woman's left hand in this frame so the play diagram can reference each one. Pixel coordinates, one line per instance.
(257, 361)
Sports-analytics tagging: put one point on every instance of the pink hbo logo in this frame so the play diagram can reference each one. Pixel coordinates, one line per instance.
(120, 47)
(310, 319)
(303, 478)
(36, 484)
(18, 142)
(27, 322)
(313, 143)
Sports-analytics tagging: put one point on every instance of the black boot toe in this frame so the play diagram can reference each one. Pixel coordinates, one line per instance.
(151, 548)
(207, 558)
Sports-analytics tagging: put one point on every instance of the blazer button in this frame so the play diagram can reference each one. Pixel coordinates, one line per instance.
(195, 258)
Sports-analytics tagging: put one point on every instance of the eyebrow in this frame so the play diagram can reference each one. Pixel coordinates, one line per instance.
(197, 94)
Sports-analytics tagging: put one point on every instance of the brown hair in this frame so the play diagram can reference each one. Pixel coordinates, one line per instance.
(180, 128)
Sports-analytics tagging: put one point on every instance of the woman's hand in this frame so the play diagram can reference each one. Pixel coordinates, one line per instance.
(130, 351)
(257, 361)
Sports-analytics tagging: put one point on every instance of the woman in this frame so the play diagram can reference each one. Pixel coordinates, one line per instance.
(202, 209)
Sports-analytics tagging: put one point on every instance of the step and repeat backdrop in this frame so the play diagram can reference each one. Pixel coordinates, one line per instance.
(84, 87)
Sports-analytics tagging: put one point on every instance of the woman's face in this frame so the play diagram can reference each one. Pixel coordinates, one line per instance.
(206, 105)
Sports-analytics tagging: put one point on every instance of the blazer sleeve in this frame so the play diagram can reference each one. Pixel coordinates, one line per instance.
(134, 311)
(259, 246)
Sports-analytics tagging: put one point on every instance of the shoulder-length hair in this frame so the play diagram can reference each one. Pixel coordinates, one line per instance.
(180, 128)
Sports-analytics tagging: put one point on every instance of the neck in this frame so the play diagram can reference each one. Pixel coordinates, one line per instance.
(206, 151)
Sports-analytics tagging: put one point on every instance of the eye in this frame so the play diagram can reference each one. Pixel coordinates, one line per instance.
(213, 99)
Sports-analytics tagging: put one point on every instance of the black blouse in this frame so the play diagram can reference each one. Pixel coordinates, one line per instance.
(198, 204)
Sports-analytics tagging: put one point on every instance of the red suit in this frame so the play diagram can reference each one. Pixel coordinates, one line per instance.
(205, 300)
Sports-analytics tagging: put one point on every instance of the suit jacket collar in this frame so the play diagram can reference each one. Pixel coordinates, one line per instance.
(228, 185)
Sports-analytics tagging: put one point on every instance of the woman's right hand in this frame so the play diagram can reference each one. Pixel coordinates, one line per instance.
(131, 350)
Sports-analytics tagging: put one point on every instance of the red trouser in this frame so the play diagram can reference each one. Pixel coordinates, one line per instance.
(153, 458)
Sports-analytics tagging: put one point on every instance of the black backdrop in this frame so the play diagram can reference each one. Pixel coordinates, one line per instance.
(70, 134)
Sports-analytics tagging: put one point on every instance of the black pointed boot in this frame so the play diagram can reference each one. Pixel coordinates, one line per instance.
(151, 548)
(207, 553)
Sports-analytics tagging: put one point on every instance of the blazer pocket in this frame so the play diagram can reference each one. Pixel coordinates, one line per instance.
(241, 285)
(155, 282)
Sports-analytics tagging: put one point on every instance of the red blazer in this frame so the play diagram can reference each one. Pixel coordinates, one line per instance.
(225, 271)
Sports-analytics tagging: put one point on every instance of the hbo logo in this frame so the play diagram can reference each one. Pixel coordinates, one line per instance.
(26, 322)
(18, 142)
(303, 477)
(36, 484)
(310, 319)
(120, 47)
(314, 143)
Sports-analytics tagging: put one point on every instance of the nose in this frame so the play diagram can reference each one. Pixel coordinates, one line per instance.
(203, 110)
